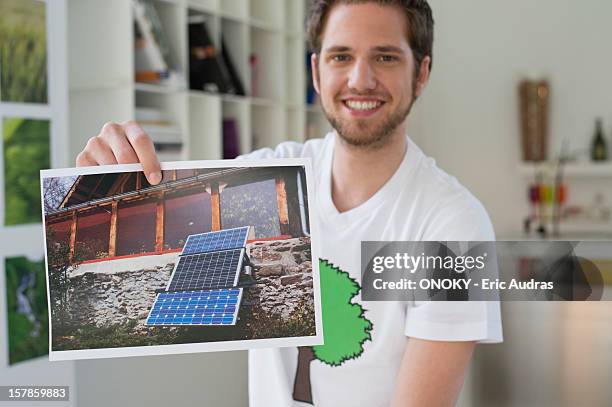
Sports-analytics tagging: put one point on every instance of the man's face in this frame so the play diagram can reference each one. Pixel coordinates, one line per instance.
(365, 73)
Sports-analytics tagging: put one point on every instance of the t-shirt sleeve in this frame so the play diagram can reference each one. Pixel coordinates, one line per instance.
(286, 149)
(458, 320)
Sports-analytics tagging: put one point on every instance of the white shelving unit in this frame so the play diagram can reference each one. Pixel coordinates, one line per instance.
(570, 170)
(101, 73)
(584, 180)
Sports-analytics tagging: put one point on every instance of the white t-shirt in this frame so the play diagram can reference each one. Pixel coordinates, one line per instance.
(419, 202)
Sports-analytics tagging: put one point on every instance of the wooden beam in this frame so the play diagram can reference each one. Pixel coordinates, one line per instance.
(281, 200)
(73, 230)
(112, 239)
(159, 224)
(69, 194)
(215, 203)
(94, 190)
(119, 181)
(293, 203)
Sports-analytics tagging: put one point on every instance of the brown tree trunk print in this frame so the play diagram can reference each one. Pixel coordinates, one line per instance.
(301, 387)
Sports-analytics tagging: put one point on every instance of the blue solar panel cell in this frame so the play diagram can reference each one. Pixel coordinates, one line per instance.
(198, 307)
(214, 241)
(207, 270)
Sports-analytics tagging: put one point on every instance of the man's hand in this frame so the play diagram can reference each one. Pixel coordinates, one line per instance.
(431, 373)
(124, 143)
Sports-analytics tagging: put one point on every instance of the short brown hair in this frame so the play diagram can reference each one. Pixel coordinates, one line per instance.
(419, 21)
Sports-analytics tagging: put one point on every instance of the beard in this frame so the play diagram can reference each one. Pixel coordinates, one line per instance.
(358, 132)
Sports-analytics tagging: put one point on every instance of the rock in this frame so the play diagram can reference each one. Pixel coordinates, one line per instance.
(283, 248)
(305, 284)
(300, 247)
(104, 277)
(270, 270)
(270, 256)
(292, 279)
(293, 270)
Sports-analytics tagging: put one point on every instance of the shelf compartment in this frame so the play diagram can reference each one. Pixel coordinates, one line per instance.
(239, 111)
(205, 128)
(268, 77)
(268, 13)
(268, 126)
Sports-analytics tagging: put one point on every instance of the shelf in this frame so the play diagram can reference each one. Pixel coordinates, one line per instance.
(578, 169)
(264, 102)
(272, 30)
(153, 88)
(584, 227)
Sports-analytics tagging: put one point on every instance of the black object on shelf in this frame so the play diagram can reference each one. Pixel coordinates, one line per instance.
(238, 87)
(599, 149)
(205, 68)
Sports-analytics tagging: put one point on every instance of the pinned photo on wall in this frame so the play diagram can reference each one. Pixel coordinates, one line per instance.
(220, 255)
(26, 297)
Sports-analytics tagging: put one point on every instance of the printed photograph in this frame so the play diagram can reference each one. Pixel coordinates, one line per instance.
(26, 151)
(23, 53)
(26, 296)
(208, 256)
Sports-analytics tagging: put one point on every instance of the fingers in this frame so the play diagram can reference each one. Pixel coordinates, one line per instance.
(114, 135)
(100, 152)
(84, 159)
(122, 144)
(144, 149)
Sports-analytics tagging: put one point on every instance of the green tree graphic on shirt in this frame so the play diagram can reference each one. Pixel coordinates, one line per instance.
(345, 328)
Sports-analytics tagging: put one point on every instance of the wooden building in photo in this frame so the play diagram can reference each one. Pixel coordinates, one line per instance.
(106, 216)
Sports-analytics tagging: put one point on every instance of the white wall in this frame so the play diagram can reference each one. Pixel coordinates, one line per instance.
(203, 379)
(468, 118)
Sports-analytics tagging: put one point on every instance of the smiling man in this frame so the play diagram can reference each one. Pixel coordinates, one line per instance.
(370, 62)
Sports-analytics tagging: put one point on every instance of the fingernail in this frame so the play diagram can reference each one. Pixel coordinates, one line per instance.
(154, 178)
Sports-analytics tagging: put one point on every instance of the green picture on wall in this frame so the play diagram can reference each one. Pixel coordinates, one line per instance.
(23, 53)
(26, 152)
(28, 328)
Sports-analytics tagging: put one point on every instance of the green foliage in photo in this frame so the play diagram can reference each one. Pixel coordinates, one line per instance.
(23, 53)
(26, 152)
(28, 328)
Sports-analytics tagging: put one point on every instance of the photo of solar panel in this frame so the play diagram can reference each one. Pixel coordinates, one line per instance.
(214, 241)
(207, 270)
(199, 307)
(209, 264)
(216, 256)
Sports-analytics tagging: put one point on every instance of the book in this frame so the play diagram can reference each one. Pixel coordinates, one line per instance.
(158, 126)
(205, 68)
(238, 87)
(231, 140)
(151, 50)
(151, 76)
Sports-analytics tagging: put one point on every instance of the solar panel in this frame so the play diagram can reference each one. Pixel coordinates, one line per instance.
(198, 307)
(214, 241)
(202, 288)
(207, 270)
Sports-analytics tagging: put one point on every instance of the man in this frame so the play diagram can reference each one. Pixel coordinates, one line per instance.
(371, 61)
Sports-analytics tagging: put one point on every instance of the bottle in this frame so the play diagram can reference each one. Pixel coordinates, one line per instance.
(599, 150)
